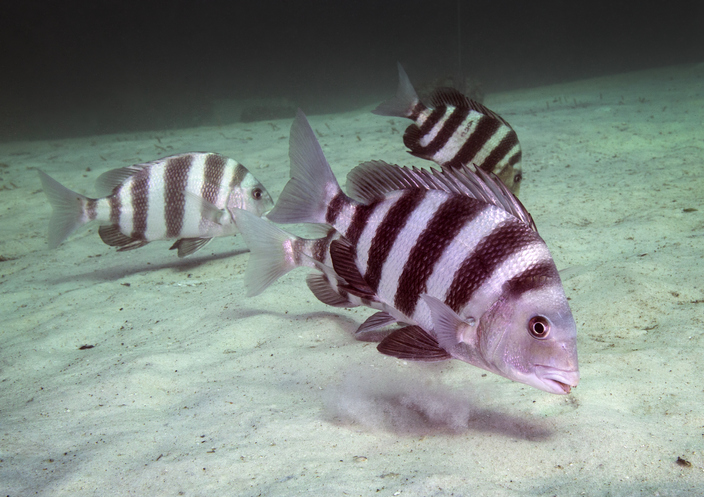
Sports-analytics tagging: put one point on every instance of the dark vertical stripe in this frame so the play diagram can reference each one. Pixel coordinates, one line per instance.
(538, 275)
(359, 220)
(387, 232)
(139, 187)
(298, 245)
(321, 246)
(91, 208)
(445, 225)
(175, 182)
(212, 177)
(335, 207)
(416, 111)
(455, 120)
(508, 238)
(498, 155)
(237, 176)
(515, 158)
(115, 206)
(432, 119)
(484, 131)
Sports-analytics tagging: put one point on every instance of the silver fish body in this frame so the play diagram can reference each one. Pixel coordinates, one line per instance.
(473, 281)
(187, 197)
(456, 131)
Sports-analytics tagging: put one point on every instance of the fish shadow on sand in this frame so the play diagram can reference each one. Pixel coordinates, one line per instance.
(347, 324)
(408, 405)
(118, 271)
(409, 402)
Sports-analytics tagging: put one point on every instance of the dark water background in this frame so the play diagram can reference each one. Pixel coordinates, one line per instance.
(77, 67)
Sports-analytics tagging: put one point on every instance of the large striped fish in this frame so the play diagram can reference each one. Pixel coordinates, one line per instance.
(274, 252)
(188, 197)
(473, 281)
(456, 131)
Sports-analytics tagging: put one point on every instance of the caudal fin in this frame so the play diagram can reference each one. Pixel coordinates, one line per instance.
(312, 186)
(270, 250)
(69, 209)
(402, 104)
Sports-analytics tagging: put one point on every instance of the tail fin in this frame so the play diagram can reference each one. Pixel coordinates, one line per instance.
(312, 186)
(69, 210)
(405, 100)
(270, 251)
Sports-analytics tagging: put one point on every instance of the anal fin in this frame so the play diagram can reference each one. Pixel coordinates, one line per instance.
(413, 343)
(111, 235)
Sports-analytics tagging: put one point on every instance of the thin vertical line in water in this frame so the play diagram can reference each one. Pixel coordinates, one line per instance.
(460, 80)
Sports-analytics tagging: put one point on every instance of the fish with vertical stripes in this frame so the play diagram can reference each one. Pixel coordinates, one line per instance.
(456, 131)
(274, 251)
(470, 279)
(187, 197)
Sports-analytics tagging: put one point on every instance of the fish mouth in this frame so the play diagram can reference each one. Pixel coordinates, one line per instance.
(557, 381)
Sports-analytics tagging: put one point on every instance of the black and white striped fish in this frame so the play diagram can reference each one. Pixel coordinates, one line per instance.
(274, 252)
(456, 131)
(472, 280)
(188, 197)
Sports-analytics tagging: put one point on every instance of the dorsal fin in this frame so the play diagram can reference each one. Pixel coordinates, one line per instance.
(374, 179)
(445, 96)
(106, 182)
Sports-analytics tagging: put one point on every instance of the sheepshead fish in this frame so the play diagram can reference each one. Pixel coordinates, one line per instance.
(456, 131)
(188, 197)
(471, 280)
(274, 251)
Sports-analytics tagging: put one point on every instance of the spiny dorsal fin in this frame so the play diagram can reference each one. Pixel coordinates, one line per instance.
(374, 179)
(444, 97)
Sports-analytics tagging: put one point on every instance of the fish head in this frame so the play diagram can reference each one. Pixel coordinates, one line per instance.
(511, 176)
(531, 337)
(250, 195)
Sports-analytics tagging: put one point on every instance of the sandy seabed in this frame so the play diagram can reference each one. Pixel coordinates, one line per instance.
(193, 389)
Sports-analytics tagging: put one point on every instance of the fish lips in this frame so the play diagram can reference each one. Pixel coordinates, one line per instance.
(556, 381)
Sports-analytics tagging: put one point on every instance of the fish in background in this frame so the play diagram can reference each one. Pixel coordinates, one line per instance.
(187, 197)
(472, 280)
(456, 131)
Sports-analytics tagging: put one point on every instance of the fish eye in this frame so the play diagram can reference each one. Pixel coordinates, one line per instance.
(539, 327)
(517, 178)
(257, 193)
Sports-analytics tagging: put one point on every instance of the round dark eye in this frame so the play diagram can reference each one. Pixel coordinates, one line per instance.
(539, 326)
(257, 193)
(517, 178)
